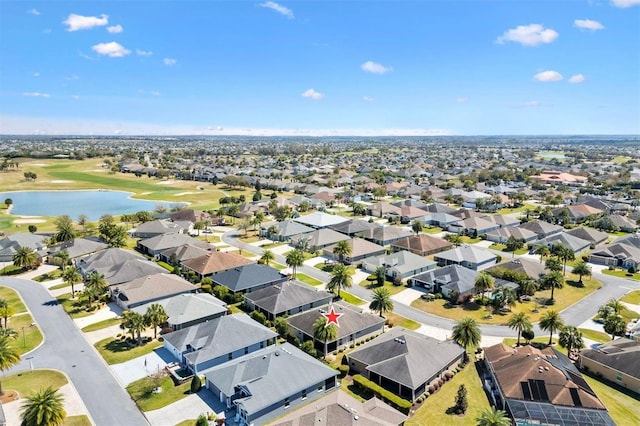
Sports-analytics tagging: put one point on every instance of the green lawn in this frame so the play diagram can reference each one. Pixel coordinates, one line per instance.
(307, 279)
(141, 393)
(350, 298)
(115, 351)
(13, 299)
(27, 381)
(165, 265)
(431, 229)
(55, 274)
(77, 421)
(626, 314)
(594, 335)
(32, 335)
(468, 240)
(434, 410)
(76, 308)
(503, 248)
(400, 321)
(10, 270)
(59, 286)
(277, 266)
(393, 289)
(102, 324)
(633, 298)
(622, 407)
(621, 273)
(189, 422)
(249, 239)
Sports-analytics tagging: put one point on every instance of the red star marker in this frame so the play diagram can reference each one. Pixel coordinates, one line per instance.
(332, 317)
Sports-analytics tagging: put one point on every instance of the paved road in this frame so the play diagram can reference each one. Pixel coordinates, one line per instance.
(66, 349)
(612, 287)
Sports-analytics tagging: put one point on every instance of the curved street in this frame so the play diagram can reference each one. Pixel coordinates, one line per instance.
(576, 314)
(66, 349)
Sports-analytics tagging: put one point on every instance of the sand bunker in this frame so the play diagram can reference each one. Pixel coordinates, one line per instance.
(38, 164)
(184, 193)
(28, 221)
(167, 182)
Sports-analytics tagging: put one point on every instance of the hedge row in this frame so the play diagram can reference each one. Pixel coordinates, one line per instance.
(395, 401)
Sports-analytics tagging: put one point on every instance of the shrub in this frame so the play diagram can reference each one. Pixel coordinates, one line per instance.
(196, 384)
(259, 317)
(202, 421)
(632, 269)
(448, 375)
(395, 401)
(343, 369)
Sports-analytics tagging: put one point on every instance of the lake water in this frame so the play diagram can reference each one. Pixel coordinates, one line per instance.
(93, 204)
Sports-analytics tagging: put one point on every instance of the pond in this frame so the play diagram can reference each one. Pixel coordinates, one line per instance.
(93, 204)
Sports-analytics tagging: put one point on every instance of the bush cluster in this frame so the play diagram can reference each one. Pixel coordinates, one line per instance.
(395, 401)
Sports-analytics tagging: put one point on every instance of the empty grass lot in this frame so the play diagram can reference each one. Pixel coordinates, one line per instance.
(32, 335)
(115, 351)
(141, 393)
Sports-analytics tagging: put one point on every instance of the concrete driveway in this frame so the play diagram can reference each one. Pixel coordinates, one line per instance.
(191, 407)
(141, 367)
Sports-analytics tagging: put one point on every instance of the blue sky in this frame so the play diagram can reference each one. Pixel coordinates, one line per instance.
(320, 67)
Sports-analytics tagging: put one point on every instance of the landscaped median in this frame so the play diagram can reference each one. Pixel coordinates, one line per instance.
(27, 334)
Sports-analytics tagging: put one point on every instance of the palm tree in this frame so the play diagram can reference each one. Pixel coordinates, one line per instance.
(155, 316)
(466, 333)
(615, 325)
(416, 226)
(25, 258)
(95, 286)
(493, 417)
(9, 333)
(341, 277)
(483, 282)
(571, 338)
(6, 311)
(552, 280)
(454, 239)
(63, 258)
(135, 323)
(64, 229)
(43, 408)
(342, 249)
(551, 321)
(324, 332)
(267, 257)
(543, 251)
(295, 258)
(72, 276)
(514, 244)
(564, 254)
(615, 305)
(582, 269)
(3, 304)
(519, 322)
(381, 275)
(9, 356)
(381, 301)
(82, 221)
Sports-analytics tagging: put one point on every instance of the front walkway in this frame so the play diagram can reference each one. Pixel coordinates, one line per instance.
(204, 402)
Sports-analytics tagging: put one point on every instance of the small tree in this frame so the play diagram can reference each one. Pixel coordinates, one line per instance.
(196, 384)
(308, 348)
(202, 420)
(461, 404)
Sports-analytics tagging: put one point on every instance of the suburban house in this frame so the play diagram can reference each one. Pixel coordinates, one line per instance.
(187, 309)
(502, 220)
(401, 264)
(248, 278)
(266, 384)
(386, 235)
(540, 387)
(502, 235)
(617, 361)
(184, 252)
(194, 216)
(118, 265)
(355, 227)
(473, 226)
(531, 268)
(617, 254)
(283, 231)
(149, 289)
(408, 213)
(468, 256)
(360, 250)
(623, 223)
(405, 362)
(156, 227)
(156, 245)
(105, 260)
(11, 243)
(555, 177)
(382, 209)
(318, 239)
(576, 244)
(340, 408)
(286, 298)
(593, 236)
(421, 245)
(541, 228)
(217, 341)
(319, 220)
(77, 248)
(355, 324)
(440, 219)
(448, 280)
(579, 212)
(214, 262)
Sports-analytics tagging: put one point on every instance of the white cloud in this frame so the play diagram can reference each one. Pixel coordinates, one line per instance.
(529, 104)
(625, 3)
(375, 68)
(112, 49)
(36, 74)
(76, 97)
(310, 93)
(79, 22)
(169, 62)
(115, 29)
(588, 24)
(462, 100)
(155, 93)
(548, 76)
(34, 12)
(141, 52)
(368, 99)
(578, 78)
(278, 8)
(36, 95)
(528, 35)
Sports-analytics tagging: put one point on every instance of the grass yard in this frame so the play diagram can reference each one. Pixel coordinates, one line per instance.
(115, 351)
(141, 393)
(503, 248)
(27, 381)
(76, 308)
(189, 422)
(307, 279)
(350, 298)
(393, 289)
(32, 334)
(55, 274)
(13, 299)
(539, 341)
(564, 298)
(594, 335)
(468, 240)
(633, 298)
(77, 421)
(59, 286)
(249, 239)
(400, 321)
(431, 229)
(10, 270)
(434, 410)
(102, 324)
(623, 408)
(621, 273)
(277, 266)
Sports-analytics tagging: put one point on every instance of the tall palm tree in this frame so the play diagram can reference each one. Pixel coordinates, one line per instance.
(25, 258)
(64, 229)
(552, 280)
(381, 301)
(571, 338)
(95, 286)
(341, 277)
(466, 333)
(493, 417)
(3, 304)
(542, 251)
(72, 276)
(519, 322)
(63, 259)
(323, 332)
(43, 408)
(564, 254)
(551, 321)
(342, 249)
(9, 356)
(156, 316)
(582, 269)
(267, 257)
(6, 311)
(483, 282)
(295, 258)
(135, 323)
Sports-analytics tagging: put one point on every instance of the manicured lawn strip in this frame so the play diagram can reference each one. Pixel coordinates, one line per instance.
(277, 266)
(249, 239)
(189, 422)
(468, 240)
(32, 335)
(400, 321)
(621, 273)
(503, 248)
(623, 408)
(272, 245)
(433, 410)
(116, 351)
(633, 298)
(538, 341)
(13, 299)
(77, 421)
(61, 285)
(594, 335)
(243, 253)
(307, 279)
(140, 392)
(350, 298)
(10, 270)
(102, 324)
(76, 308)
(626, 314)
(432, 230)
(55, 274)
(27, 381)
(393, 289)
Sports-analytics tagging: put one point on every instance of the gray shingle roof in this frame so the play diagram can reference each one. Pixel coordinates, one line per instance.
(130, 270)
(287, 228)
(166, 241)
(574, 243)
(248, 276)
(287, 295)
(320, 237)
(106, 259)
(467, 253)
(79, 247)
(151, 287)
(621, 354)
(588, 234)
(187, 307)
(541, 227)
(320, 219)
(453, 277)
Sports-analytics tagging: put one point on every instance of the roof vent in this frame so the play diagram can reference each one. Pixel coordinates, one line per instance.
(277, 354)
(356, 417)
